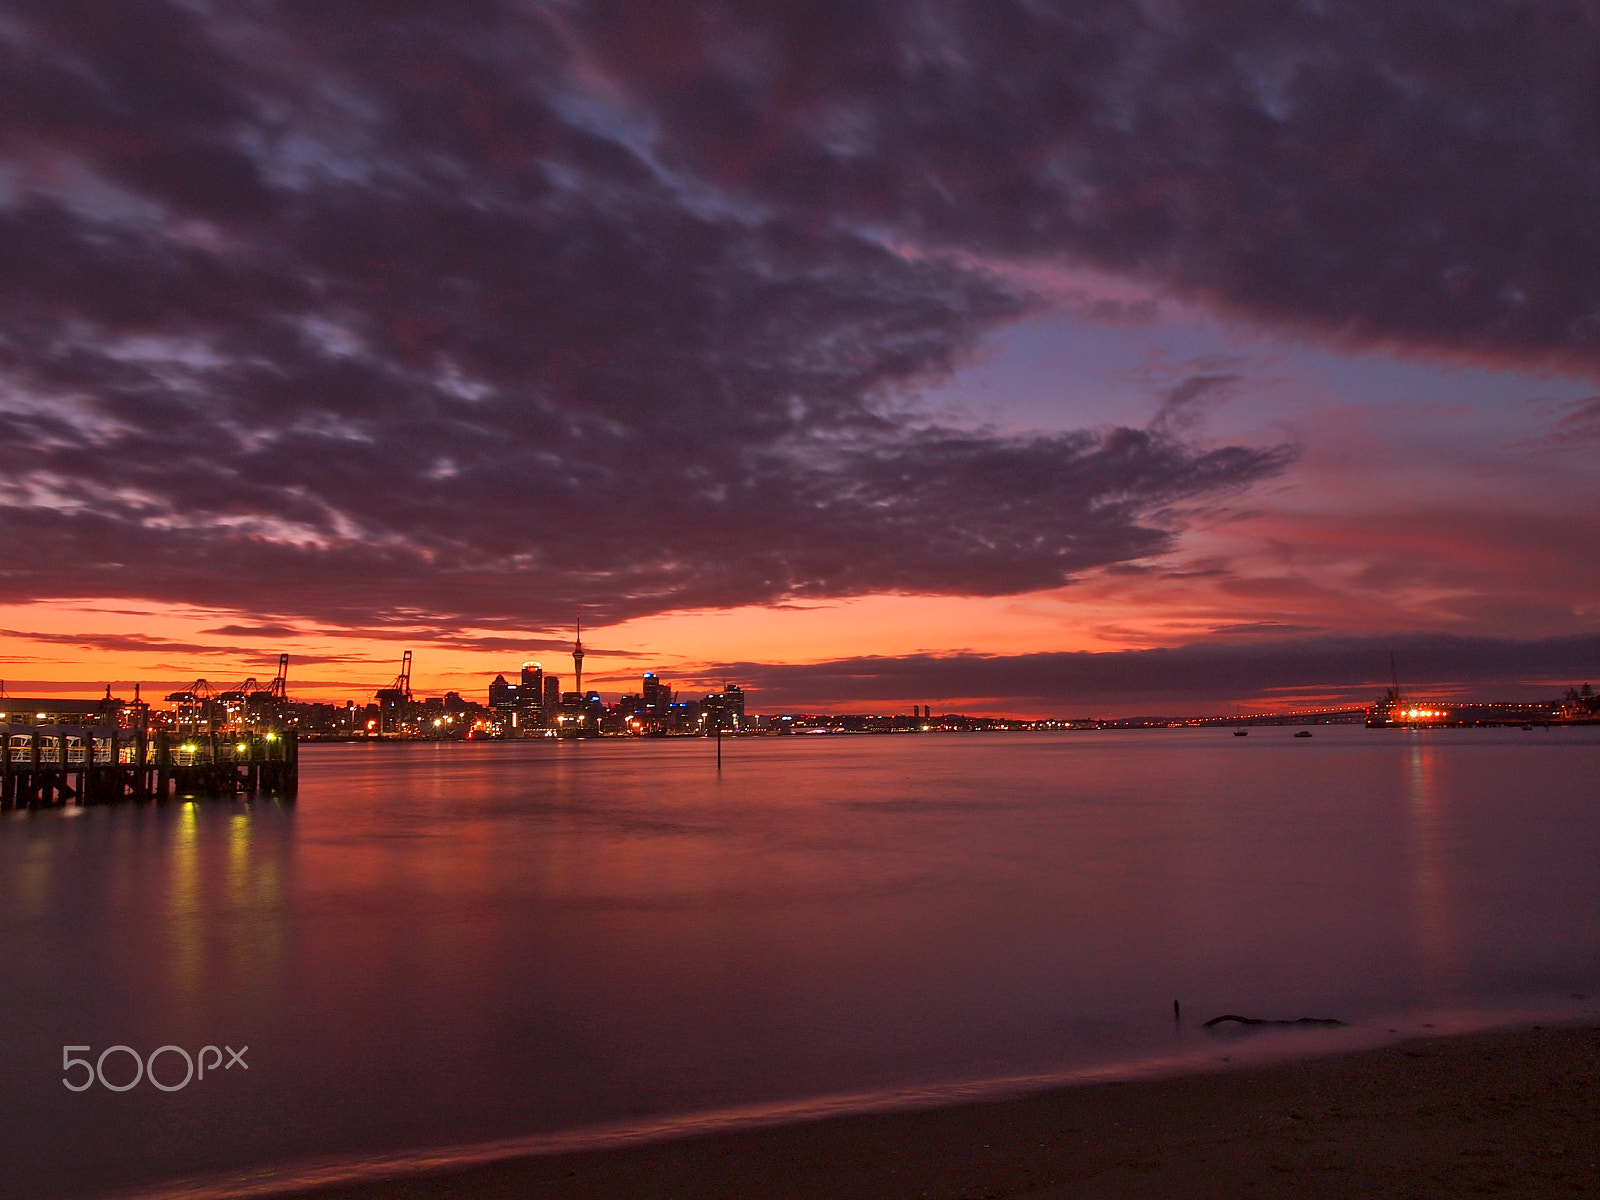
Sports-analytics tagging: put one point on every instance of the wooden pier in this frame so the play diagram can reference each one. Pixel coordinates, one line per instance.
(47, 765)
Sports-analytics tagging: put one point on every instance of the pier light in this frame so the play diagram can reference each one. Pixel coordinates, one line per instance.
(241, 747)
(272, 737)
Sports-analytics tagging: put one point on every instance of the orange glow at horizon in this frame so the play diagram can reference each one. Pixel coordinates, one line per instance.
(327, 664)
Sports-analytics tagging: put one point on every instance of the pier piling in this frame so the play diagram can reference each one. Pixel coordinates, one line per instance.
(46, 766)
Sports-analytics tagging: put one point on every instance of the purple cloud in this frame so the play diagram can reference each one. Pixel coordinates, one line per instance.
(1414, 172)
(1176, 680)
(362, 313)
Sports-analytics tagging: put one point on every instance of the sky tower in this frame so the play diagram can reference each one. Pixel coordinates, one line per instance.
(577, 659)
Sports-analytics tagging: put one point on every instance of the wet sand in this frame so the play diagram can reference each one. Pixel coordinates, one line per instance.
(1511, 1113)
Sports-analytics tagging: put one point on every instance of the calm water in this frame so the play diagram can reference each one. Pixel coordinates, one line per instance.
(442, 945)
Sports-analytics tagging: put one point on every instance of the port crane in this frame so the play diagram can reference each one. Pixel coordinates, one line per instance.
(396, 698)
(196, 706)
(273, 693)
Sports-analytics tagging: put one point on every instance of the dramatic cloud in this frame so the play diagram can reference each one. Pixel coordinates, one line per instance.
(392, 314)
(366, 312)
(118, 642)
(1404, 171)
(134, 643)
(1181, 680)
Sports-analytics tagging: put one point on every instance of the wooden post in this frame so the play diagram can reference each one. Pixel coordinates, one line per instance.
(163, 764)
(141, 776)
(86, 772)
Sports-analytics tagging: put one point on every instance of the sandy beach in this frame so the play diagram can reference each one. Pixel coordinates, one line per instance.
(1512, 1112)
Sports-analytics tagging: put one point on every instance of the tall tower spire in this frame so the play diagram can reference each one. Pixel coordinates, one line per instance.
(577, 658)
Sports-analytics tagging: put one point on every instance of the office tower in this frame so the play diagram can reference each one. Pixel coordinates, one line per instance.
(724, 709)
(552, 697)
(531, 694)
(651, 692)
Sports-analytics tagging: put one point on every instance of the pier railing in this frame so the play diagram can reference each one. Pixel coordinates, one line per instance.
(46, 765)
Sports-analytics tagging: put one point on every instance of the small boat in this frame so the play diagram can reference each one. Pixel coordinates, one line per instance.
(1241, 732)
(1303, 733)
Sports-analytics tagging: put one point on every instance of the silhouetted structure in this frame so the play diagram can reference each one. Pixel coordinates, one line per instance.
(724, 709)
(394, 701)
(577, 659)
(44, 765)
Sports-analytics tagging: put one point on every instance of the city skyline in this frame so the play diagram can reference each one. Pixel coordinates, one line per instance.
(879, 355)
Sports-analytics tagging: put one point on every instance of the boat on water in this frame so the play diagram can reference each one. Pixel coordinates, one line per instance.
(1394, 711)
(1303, 733)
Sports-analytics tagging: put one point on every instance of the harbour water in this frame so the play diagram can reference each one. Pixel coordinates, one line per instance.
(451, 949)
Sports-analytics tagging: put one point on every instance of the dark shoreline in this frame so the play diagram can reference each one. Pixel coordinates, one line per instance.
(1509, 1111)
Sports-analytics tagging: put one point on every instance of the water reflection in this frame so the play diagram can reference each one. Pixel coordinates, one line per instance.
(31, 882)
(186, 924)
(1430, 885)
(455, 943)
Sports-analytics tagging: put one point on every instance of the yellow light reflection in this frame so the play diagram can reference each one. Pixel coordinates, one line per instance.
(185, 919)
(1430, 886)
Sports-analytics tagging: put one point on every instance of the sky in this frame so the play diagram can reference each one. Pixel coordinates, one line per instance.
(1034, 357)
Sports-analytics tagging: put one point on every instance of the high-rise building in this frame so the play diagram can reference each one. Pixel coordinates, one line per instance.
(530, 695)
(651, 692)
(724, 709)
(577, 659)
(506, 701)
(552, 697)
